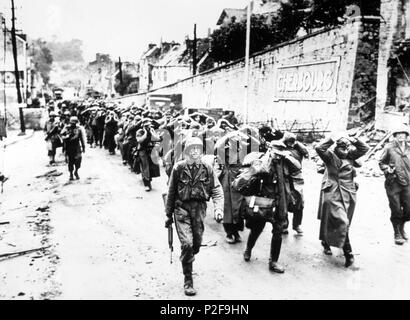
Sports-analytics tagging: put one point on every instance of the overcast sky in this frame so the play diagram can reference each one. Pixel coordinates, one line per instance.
(118, 27)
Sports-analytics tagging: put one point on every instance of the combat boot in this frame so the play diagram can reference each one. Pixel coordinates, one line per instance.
(275, 267)
(230, 239)
(188, 281)
(189, 288)
(275, 246)
(402, 232)
(253, 236)
(71, 176)
(349, 259)
(247, 255)
(398, 238)
(326, 249)
(298, 230)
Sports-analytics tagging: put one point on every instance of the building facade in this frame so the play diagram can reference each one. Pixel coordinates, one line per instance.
(101, 75)
(8, 92)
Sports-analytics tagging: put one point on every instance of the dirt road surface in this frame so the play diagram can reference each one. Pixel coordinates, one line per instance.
(105, 239)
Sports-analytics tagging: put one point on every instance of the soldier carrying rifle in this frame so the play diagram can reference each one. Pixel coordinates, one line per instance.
(192, 183)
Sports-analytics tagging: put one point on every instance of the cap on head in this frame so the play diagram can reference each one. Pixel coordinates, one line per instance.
(289, 137)
(73, 119)
(342, 143)
(146, 121)
(226, 122)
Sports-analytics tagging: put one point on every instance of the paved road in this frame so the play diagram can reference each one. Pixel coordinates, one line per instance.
(107, 241)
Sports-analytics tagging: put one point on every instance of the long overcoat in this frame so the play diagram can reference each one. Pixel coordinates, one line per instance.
(338, 192)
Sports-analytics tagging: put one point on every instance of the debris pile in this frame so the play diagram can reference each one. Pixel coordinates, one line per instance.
(376, 139)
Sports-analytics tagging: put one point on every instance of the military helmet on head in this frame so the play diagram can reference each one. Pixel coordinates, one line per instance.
(401, 128)
(193, 142)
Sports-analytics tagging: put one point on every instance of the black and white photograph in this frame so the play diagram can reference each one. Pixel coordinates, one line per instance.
(186, 151)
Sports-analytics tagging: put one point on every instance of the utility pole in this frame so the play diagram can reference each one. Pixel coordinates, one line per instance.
(194, 54)
(16, 69)
(14, 42)
(120, 75)
(3, 24)
(246, 80)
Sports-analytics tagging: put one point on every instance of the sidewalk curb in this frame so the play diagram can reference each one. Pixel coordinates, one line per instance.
(27, 136)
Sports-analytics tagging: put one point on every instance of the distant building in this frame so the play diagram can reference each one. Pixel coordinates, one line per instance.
(101, 74)
(148, 60)
(172, 66)
(229, 15)
(177, 63)
(7, 73)
(267, 8)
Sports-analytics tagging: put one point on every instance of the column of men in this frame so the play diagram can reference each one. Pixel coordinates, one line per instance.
(253, 175)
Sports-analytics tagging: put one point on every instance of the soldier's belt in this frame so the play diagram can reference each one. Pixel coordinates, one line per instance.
(260, 202)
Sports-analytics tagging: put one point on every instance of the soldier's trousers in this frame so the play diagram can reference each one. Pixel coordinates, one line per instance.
(144, 163)
(96, 135)
(297, 209)
(74, 163)
(189, 223)
(256, 226)
(399, 202)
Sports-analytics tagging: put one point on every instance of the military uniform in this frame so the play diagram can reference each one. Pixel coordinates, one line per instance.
(53, 139)
(75, 145)
(395, 163)
(298, 151)
(191, 185)
(147, 156)
(338, 194)
(269, 203)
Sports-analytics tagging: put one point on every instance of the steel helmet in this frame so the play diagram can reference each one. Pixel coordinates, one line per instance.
(192, 142)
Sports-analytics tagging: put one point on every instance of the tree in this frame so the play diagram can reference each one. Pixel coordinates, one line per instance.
(127, 85)
(67, 51)
(330, 13)
(292, 17)
(42, 59)
(229, 41)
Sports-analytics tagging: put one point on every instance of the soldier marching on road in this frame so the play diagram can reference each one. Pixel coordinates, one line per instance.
(192, 183)
(52, 130)
(73, 136)
(395, 163)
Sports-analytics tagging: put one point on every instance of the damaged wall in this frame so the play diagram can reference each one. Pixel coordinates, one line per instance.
(392, 85)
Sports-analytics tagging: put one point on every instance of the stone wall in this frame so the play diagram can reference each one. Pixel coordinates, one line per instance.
(223, 87)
